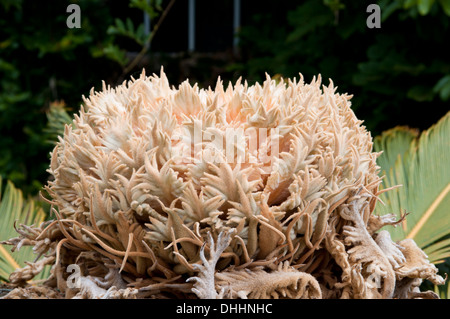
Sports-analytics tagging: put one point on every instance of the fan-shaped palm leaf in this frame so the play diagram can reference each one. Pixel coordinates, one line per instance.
(13, 208)
(421, 164)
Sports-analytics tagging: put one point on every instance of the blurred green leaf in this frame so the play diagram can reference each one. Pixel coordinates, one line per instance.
(116, 54)
(120, 25)
(127, 29)
(408, 3)
(420, 93)
(424, 6)
(8, 4)
(306, 18)
(442, 87)
(388, 7)
(445, 4)
(151, 7)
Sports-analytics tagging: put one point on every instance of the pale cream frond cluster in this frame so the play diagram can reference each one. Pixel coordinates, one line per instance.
(289, 216)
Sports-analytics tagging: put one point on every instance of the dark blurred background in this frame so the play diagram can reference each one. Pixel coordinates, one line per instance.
(399, 74)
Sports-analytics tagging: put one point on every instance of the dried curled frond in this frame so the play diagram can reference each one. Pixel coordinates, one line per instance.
(20, 276)
(204, 286)
(90, 290)
(365, 251)
(416, 264)
(393, 251)
(375, 222)
(337, 250)
(34, 292)
(32, 236)
(284, 282)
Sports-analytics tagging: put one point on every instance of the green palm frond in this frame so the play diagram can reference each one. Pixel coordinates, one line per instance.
(421, 164)
(58, 117)
(13, 208)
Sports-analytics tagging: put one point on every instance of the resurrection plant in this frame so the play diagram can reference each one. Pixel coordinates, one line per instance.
(262, 191)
